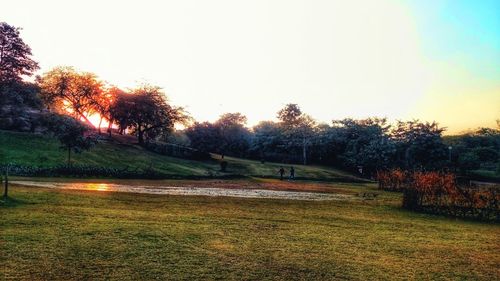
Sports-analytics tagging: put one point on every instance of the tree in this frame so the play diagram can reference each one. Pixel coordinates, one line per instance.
(102, 104)
(20, 94)
(120, 109)
(15, 55)
(267, 140)
(227, 135)
(298, 127)
(290, 115)
(66, 91)
(468, 161)
(233, 136)
(204, 136)
(71, 133)
(476, 149)
(420, 145)
(365, 144)
(149, 113)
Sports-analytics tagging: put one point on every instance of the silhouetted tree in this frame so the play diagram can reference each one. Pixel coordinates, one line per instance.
(102, 104)
(66, 91)
(419, 145)
(267, 141)
(228, 135)
(148, 112)
(15, 55)
(204, 136)
(298, 127)
(233, 135)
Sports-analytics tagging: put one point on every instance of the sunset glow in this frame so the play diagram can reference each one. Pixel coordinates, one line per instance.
(98, 186)
(337, 59)
(254, 140)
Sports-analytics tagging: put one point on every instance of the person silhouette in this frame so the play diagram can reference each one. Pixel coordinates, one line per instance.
(282, 172)
(292, 173)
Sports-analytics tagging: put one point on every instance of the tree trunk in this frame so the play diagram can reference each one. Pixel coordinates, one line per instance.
(109, 127)
(84, 118)
(99, 127)
(140, 135)
(6, 184)
(69, 156)
(304, 150)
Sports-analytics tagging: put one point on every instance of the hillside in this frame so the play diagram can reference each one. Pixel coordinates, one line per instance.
(35, 150)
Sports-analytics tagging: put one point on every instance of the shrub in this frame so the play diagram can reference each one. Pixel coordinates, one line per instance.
(440, 193)
(81, 171)
(392, 180)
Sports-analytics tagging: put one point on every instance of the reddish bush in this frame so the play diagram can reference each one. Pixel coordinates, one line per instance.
(392, 180)
(439, 193)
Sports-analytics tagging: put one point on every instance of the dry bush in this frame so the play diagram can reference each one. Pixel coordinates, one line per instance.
(438, 192)
(392, 180)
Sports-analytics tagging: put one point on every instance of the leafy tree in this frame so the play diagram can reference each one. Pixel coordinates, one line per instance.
(15, 55)
(204, 136)
(147, 112)
(290, 115)
(486, 154)
(66, 91)
(233, 136)
(298, 127)
(420, 145)
(71, 133)
(227, 135)
(364, 143)
(267, 141)
(468, 161)
(479, 148)
(119, 110)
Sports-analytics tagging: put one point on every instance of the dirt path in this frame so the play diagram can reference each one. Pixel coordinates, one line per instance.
(189, 190)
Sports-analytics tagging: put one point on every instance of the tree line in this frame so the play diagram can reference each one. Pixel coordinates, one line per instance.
(361, 145)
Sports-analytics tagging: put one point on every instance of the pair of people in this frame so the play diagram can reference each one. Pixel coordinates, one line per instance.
(282, 172)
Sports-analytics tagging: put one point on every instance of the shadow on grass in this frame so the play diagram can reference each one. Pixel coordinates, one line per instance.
(10, 202)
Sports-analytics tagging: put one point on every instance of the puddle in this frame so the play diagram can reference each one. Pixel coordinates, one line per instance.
(196, 191)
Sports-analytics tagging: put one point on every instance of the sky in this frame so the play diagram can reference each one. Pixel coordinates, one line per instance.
(427, 59)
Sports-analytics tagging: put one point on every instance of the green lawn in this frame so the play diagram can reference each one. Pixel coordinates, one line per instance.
(35, 150)
(85, 235)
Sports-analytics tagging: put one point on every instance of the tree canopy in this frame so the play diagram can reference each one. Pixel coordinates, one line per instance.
(146, 112)
(65, 90)
(15, 55)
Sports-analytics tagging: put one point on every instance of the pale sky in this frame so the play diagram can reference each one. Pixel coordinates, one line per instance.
(433, 60)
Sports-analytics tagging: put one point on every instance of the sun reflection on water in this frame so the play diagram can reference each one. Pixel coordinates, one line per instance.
(98, 186)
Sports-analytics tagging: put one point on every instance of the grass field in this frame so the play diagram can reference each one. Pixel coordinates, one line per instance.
(90, 235)
(48, 234)
(34, 150)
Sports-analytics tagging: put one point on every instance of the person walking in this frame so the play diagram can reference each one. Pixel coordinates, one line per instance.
(282, 172)
(292, 173)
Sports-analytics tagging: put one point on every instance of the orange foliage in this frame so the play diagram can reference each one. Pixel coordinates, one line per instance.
(438, 192)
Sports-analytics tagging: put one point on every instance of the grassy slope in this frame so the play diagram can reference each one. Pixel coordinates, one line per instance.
(61, 235)
(28, 149)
